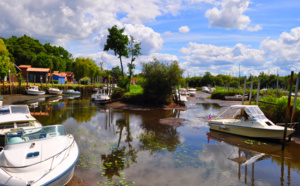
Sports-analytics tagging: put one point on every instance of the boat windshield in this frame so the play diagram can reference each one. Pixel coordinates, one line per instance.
(34, 134)
(255, 112)
(4, 110)
(19, 109)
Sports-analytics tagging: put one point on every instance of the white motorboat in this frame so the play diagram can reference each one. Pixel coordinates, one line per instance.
(192, 91)
(14, 117)
(34, 90)
(236, 98)
(247, 120)
(182, 98)
(183, 91)
(54, 91)
(38, 156)
(101, 97)
(71, 91)
(205, 89)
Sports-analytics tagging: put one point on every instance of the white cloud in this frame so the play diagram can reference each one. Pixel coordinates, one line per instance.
(284, 52)
(184, 29)
(230, 16)
(151, 41)
(56, 21)
(254, 29)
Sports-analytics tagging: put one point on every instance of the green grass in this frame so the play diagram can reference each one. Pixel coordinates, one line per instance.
(135, 90)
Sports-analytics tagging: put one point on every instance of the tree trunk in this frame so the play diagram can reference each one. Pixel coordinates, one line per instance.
(121, 65)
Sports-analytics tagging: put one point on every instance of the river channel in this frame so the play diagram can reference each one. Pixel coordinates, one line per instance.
(164, 147)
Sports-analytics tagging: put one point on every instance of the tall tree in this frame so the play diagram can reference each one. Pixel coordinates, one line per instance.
(5, 62)
(134, 49)
(117, 42)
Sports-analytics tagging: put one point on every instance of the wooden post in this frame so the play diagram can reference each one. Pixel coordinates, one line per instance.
(258, 90)
(287, 111)
(296, 95)
(250, 95)
(243, 99)
(277, 85)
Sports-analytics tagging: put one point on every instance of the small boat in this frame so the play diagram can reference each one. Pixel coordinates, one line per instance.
(236, 98)
(100, 97)
(192, 91)
(34, 90)
(205, 89)
(71, 91)
(54, 91)
(38, 156)
(183, 92)
(182, 98)
(15, 117)
(249, 121)
(1, 100)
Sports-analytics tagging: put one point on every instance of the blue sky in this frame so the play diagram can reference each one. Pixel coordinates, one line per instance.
(203, 35)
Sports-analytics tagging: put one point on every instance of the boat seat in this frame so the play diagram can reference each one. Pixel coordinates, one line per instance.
(15, 140)
(52, 134)
(42, 135)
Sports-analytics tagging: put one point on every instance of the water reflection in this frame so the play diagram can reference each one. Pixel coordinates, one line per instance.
(120, 147)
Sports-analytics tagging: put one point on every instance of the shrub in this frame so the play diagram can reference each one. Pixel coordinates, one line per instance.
(117, 93)
(55, 81)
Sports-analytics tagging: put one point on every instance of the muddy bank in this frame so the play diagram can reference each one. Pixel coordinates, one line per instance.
(11, 99)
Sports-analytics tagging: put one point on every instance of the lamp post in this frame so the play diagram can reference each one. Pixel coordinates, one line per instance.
(9, 80)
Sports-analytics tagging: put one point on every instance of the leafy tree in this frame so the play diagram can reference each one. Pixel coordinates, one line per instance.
(208, 79)
(5, 62)
(117, 42)
(134, 49)
(159, 80)
(85, 67)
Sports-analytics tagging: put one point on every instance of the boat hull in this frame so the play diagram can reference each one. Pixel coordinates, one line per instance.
(55, 92)
(250, 132)
(35, 92)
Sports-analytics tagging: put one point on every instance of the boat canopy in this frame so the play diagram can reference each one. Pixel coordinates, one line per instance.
(33, 134)
(253, 112)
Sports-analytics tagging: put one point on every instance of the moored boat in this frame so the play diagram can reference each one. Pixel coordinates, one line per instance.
(236, 98)
(101, 97)
(38, 156)
(247, 120)
(34, 90)
(71, 91)
(54, 91)
(14, 117)
(192, 91)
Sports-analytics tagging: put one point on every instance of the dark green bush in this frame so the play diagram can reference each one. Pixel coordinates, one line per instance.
(55, 81)
(117, 93)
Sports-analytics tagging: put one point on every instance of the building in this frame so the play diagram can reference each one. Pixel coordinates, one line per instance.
(69, 77)
(34, 75)
(61, 77)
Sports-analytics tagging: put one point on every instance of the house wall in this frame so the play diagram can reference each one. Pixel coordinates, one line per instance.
(61, 80)
(36, 77)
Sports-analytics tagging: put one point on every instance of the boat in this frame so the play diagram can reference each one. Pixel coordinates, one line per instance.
(249, 121)
(182, 98)
(236, 98)
(14, 117)
(101, 97)
(34, 90)
(54, 91)
(205, 89)
(38, 156)
(71, 91)
(192, 91)
(1, 100)
(183, 92)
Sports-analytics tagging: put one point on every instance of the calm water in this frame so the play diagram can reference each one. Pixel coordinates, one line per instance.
(133, 148)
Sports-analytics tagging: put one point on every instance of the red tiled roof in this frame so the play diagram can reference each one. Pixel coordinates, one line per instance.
(25, 66)
(38, 69)
(59, 74)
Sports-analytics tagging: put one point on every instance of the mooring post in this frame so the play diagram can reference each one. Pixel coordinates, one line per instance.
(243, 99)
(258, 90)
(287, 111)
(277, 84)
(250, 94)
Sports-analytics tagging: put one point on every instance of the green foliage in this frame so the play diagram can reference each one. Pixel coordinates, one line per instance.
(20, 78)
(25, 50)
(5, 62)
(117, 42)
(55, 81)
(117, 93)
(159, 80)
(85, 67)
(84, 81)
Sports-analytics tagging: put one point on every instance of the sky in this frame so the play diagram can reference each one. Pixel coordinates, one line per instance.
(218, 36)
